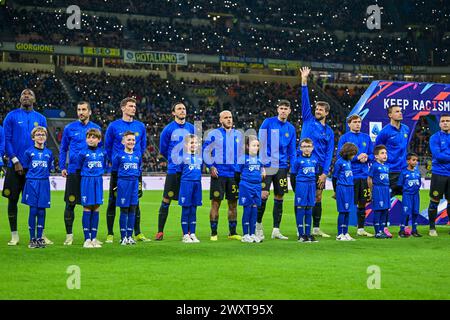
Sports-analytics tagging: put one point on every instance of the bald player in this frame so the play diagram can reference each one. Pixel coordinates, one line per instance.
(220, 153)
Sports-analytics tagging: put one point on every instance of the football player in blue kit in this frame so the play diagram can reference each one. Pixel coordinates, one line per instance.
(277, 137)
(304, 169)
(344, 188)
(314, 126)
(379, 184)
(127, 164)
(190, 195)
(395, 137)
(171, 145)
(91, 160)
(410, 181)
(38, 162)
(249, 174)
(113, 145)
(440, 170)
(360, 167)
(73, 140)
(18, 125)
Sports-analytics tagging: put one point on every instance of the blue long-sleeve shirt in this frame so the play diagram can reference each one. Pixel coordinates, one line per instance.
(114, 135)
(92, 162)
(2, 145)
(172, 137)
(410, 181)
(127, 165)
(74, 140)
(250, 168)
(396, 142)
(440, 151)
(321, 135)
(343, 172)
(286, 135)
(305, 168)
(221, 150)
(39, 163)
(191, 168)
(18, 125)
(365, 145)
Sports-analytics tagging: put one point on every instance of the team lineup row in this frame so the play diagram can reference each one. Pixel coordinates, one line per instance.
(247, 179)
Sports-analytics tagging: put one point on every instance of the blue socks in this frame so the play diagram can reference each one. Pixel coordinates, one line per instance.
(36, 222)
(86, 221)
(383, 219)
(185, 211)
(130, 223)
(343, 223)
(246, 216)
(303, 217)
(94, 224)
(127, 221)
(414, 222)
(253, 219)
(40, 222)
(308, 221)
(376, 221)
(123, 223)
(403, 222)
(299, 218)
(32, 222)
(90, 224)
(249, 218)
(192, 219)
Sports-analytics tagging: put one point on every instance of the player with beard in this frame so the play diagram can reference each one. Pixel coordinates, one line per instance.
(73, 141)
(315, 128)
(221, 151)
(171, 147)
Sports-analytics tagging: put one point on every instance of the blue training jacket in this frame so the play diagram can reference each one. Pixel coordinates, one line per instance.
(286, 135)
(221, 150)
(172, 136)
(396, 142)
(365, 145)
(74, 140)
(440, 150)
(321, 135)
(18, 125)
(114, 134)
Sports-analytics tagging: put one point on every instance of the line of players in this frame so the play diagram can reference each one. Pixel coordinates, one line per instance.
(20, 122)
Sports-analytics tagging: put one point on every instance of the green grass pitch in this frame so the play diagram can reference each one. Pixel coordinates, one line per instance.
(227, 269)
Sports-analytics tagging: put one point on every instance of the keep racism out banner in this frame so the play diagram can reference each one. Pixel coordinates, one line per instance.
(417, 100)
(154, 57)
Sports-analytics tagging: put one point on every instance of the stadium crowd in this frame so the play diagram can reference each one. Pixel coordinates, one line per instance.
(309, 34)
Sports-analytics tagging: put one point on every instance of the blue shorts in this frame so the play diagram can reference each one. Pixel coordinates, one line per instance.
(411, 203)
(305, 194)
(91, 191)
(127, 192)
(36, 193)
(381, 199)
(190, 193)
(249, 193)
(344, 198)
